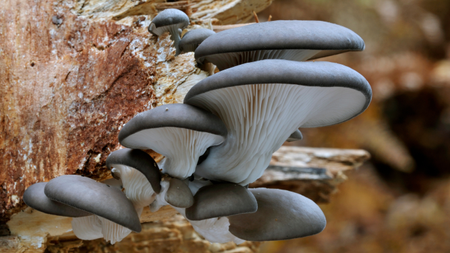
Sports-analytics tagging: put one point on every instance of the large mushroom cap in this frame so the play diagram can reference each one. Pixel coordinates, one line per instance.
(220, 200)
(281, 215)
(263, 102)
(180, 132)
(138, 160)
(290, 40)
(192, 39)
(35, 198)
(94, 197)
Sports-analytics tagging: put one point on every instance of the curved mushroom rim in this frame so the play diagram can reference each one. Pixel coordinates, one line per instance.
(307, 74)
(174, 115)
(139, 160)
(106, 201)
(282, 34)
(35, 198)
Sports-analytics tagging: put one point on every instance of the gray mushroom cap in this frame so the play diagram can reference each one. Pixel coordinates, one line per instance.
(172, 21)
(295, 136)
(281, 215)
(192, 39)
(172, 115)
(180, 132)
(138, 160)
(321, 75)
(35, 198)
(179, 194)
(263, 102)
(94, 197)
(290, 40)
(222, 199)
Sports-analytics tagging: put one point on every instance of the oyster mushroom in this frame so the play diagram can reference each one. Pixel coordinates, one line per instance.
(180, 132)
(94, 197)
(35, 197)
(223, 199)
(139, 174)
(172, 21)
(192, 39)
(262, 103)
(281, 215)
(289, 40)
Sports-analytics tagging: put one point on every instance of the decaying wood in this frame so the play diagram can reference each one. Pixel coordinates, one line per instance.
(73, 74)
(312, 172)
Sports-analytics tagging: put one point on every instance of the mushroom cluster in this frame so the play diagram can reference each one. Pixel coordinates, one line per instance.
(222, 137)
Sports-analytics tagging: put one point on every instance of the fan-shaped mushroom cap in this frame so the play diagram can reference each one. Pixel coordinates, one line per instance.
(172, 21)
(180, 132)
(94, 197)
(192, 39)
(281, 215)
(290, 40)
(35, 198)
(263, 102)
(179, 194)
(295, 136)
(220, 200)
(138, 160)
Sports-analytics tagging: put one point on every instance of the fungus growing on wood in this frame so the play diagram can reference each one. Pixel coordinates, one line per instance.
(289, 40)
(35, 197)
(192, 39)
(172, 21)
(221, 199)
(180, 132)
(262, 103)
(94, 197)
(281, 215)
(139, 174)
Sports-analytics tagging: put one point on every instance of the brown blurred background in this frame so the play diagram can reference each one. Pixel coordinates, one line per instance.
(400, 200)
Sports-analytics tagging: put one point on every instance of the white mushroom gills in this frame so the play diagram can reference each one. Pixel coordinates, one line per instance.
(88, 227)
(137, 188)
(260, 117)
(181, 147)
(228, 60)
(94, 227)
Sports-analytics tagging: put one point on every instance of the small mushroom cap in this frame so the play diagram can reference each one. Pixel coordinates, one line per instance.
(326, 38)
(172, 115)
(35, 198)
(281, 215)
(295, 136)
(179, 194)
(168, 17)
(138, 160)
(223, 199)
(192, 39)
(94, 197)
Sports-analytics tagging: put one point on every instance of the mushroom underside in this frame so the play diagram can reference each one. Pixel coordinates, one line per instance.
(260, 117)
(182, 147)
(136, 186)
(228, 60)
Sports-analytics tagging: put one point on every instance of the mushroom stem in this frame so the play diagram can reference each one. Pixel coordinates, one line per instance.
(175, 36)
